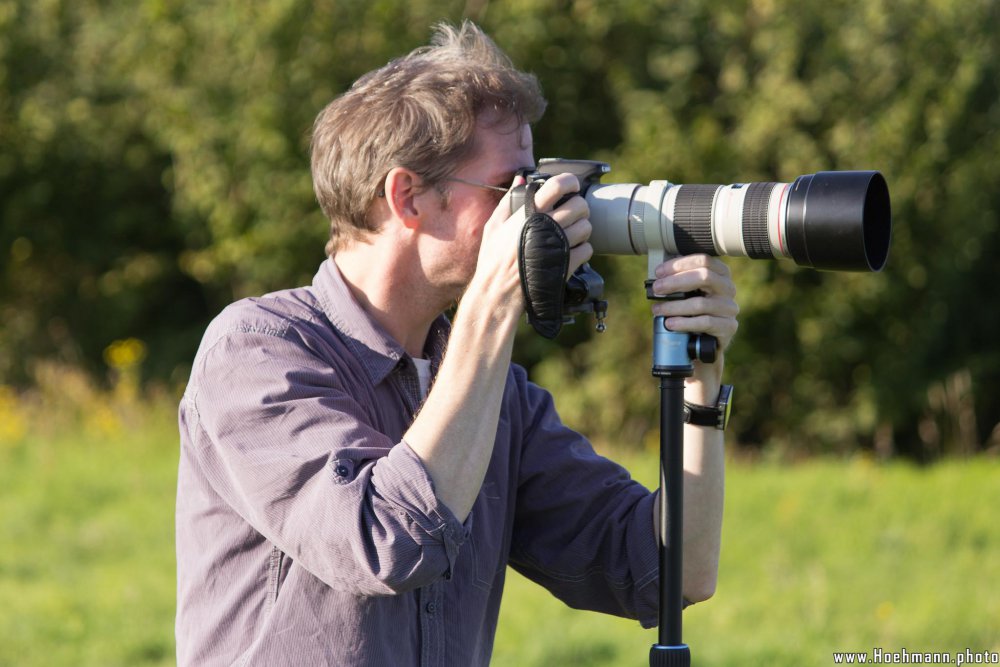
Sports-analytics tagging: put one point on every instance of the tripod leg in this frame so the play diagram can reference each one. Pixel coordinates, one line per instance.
(671, 509)
(671, 364)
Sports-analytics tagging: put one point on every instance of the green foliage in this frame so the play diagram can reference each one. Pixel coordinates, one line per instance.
(154, 166)
(154, 162)
(701, 91)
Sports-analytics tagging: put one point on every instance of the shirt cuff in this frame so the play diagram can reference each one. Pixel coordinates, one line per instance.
(402, 480)
(645, 555)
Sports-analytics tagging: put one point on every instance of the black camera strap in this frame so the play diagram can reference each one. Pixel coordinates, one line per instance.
(543, 259)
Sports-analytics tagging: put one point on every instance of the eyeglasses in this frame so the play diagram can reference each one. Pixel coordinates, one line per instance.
(495, 188)
(500, 190)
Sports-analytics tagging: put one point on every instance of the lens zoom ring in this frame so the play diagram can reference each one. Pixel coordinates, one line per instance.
(693, 219)
(755, 206)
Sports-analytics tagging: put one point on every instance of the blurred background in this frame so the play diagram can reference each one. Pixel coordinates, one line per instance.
(154, 168)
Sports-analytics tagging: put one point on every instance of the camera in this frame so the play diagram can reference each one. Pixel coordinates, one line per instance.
(832, 220)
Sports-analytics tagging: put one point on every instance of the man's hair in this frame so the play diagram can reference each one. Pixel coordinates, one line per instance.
(419, 112)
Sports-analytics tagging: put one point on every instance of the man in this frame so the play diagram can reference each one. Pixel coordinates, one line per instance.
(356, 473)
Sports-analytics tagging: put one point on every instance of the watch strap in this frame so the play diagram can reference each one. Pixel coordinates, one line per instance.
(716, 416)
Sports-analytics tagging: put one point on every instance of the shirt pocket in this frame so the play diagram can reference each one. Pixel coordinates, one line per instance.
(277, 570)
(486, 542)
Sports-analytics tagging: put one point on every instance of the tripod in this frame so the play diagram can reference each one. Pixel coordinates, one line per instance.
(673, 353)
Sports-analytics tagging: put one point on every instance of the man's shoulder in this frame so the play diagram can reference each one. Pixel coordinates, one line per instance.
(273, 313)
(291, 314)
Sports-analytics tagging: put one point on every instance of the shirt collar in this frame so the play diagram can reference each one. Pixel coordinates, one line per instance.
(378, 352)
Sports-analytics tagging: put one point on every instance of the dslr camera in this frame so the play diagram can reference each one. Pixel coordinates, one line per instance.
(831, 220)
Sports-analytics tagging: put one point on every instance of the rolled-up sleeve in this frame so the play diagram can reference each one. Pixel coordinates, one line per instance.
(293, 452)
(584, 528)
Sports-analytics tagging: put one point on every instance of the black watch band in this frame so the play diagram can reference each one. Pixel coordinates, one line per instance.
(717, 415)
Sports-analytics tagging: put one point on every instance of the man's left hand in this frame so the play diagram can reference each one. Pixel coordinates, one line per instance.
(714, 313)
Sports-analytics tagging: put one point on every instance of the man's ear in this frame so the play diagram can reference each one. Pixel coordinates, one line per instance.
(401, 188)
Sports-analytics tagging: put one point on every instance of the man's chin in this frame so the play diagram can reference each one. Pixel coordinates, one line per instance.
(451, 292)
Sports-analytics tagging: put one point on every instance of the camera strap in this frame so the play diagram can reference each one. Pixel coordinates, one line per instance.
(543, 259)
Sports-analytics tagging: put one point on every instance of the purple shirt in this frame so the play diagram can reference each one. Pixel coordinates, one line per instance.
(308, 531)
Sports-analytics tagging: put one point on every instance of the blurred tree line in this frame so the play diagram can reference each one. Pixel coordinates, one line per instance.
(154, 167)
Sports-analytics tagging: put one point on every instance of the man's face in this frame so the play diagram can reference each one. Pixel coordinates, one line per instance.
(453, 239)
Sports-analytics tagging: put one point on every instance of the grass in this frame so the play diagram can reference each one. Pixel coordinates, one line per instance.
(87, 567)
(818, 557)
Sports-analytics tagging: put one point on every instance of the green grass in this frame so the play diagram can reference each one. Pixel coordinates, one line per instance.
(818, 557)
(87, 564)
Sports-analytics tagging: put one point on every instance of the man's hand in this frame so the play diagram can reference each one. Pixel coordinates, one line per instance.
(497, 264)
(714, 313)
(573, 216)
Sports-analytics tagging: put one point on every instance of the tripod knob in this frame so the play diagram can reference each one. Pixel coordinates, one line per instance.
(702, 347)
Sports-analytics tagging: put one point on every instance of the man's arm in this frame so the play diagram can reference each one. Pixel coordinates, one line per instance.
(588, 533)
(715, 314)
(274, 431)
(455, 430)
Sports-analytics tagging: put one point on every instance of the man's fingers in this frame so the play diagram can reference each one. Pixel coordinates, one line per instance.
(723, 328)
(707, 275)
(577, 256)
(556, 198)
(721, 306)
(570, 211)
(555, 189)
(713, 312)
(578, 232)
(688, 262)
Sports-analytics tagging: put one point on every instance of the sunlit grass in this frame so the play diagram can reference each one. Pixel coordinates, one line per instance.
(86, 500)
(818, 557)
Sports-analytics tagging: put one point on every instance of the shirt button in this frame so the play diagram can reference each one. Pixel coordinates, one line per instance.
(341, 470)
(431, 607)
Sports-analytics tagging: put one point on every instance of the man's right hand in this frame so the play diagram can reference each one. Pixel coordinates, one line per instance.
(497, 270)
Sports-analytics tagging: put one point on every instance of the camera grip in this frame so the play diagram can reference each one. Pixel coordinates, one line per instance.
(543, 259)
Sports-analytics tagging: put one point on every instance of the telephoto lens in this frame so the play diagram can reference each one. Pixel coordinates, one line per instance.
(833, 220)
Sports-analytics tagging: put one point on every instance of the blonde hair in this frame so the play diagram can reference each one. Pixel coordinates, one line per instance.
(419, 112)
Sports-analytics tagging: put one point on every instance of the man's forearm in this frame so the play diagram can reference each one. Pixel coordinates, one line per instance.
(704, 477)
(703, 501)
(455, 430)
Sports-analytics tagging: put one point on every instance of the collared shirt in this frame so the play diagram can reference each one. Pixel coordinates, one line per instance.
(308, 531)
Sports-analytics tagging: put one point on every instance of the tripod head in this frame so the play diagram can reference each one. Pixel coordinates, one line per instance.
(674, 351)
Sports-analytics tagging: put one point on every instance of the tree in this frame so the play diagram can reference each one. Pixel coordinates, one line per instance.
(154, 166)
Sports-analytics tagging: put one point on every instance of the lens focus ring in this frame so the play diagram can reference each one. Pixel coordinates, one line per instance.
(755, 207)
(693, 219)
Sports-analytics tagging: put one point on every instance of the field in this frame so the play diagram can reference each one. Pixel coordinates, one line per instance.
(818, 557)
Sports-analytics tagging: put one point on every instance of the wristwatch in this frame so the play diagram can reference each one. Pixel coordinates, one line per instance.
(717, 415)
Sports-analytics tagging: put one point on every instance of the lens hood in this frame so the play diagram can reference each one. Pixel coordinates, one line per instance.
(839, 221)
